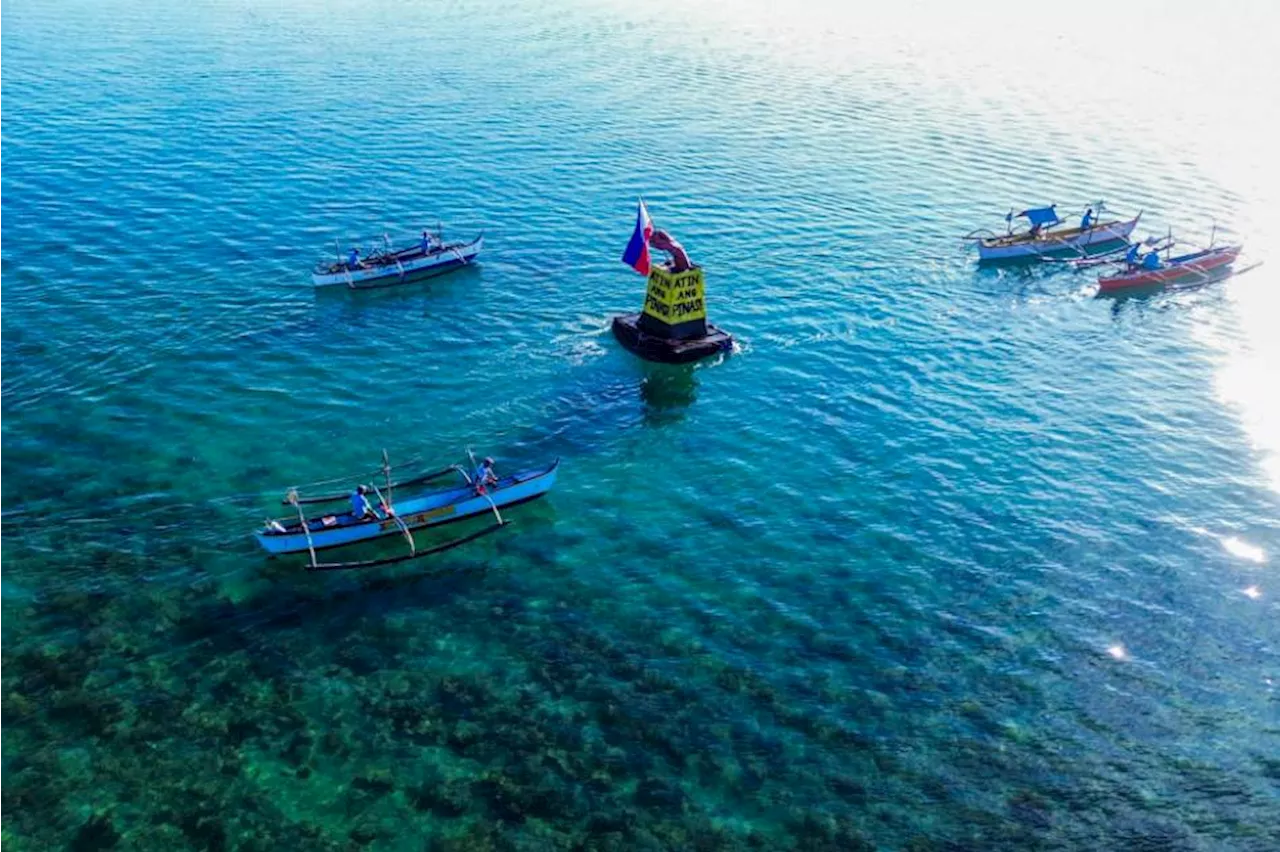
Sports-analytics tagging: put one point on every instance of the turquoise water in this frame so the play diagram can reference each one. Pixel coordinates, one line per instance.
(940, 558)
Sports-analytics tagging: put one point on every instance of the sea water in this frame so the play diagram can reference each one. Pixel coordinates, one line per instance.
(939, 558)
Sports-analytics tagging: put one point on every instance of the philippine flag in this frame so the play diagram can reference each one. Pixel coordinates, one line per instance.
(637, 254)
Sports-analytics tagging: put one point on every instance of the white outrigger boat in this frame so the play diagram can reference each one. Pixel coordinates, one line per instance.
(384, 266)
(1042, 238)
(427, 508)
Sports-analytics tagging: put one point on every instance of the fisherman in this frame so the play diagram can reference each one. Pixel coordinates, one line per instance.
(1086, 221)
(426, 243)
(484, 475)
(1152, 260)
(1034, 233)
(360, 507)
(1131, 256)
(353, 258)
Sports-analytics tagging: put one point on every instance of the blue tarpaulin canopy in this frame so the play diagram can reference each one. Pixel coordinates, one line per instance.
(1041, 216)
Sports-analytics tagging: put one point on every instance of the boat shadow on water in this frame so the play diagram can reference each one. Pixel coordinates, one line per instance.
(297, 598)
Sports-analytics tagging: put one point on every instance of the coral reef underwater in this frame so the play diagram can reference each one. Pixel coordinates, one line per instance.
(466, 708)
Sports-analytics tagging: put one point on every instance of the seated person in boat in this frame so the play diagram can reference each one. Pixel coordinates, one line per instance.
(426, 243)
(1152, 260)
(1086, 221)
(1034, 233)
(484, 475)
(360, 506)
(353, 258)
(1131, 256)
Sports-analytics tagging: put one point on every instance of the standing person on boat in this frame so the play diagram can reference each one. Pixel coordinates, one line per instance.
(353, 258)
(360, 506)
(426, 243)
(484, 475)
(1086, 221)
(1152, 260)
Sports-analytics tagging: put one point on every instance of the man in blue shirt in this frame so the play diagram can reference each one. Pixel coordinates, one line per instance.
(360, 507)
(353, 258)
(1152, 260)
(426, 243)
(1131, 256)
(1086, 221)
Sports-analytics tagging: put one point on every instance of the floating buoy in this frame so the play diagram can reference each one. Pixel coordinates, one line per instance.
(672, 328)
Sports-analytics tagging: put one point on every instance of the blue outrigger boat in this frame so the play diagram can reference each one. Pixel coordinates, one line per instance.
(425, 509)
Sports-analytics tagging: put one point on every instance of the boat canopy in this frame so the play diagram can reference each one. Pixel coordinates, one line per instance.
(1041, 215)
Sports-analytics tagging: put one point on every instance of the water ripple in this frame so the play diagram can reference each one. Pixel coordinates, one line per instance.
(937, 553)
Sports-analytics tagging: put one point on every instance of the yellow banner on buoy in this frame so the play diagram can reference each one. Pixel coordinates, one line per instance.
(676, 301)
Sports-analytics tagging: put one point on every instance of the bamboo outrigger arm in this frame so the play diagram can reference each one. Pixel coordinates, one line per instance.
(302, 519)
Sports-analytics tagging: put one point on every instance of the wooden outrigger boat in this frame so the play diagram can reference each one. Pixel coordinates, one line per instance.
(385, 266)
(431, 508)
(1044, 239)
(1196, 266)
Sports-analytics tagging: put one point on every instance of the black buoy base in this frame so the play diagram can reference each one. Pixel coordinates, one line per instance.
(627, 329)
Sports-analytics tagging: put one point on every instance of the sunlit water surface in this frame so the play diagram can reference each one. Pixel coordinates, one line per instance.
(940, 558)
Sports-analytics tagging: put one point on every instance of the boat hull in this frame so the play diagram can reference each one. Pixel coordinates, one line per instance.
(428, 510)
(1049, 244)
(1189, 266)
(411, 265)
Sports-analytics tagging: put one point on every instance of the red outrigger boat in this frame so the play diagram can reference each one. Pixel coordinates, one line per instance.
(1197, 264)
